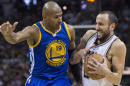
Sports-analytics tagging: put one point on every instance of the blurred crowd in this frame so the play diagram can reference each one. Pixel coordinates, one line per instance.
(14, 63)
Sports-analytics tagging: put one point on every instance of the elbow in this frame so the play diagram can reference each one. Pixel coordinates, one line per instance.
(113, 78)
(117, 81)
(11, 42)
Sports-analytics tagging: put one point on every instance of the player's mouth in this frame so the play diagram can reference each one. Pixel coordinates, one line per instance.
(100, 34)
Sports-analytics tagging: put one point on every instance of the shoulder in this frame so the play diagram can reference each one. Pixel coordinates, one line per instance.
(31, 30)
(70, 28)
(118, 43)
(88, 34)
(34, 35)
(35, 28)
(28, 29)
(71, 34)
(71, 31)
(118, 47)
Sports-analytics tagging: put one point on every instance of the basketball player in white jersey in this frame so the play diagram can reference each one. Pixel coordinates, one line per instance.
(105, 43)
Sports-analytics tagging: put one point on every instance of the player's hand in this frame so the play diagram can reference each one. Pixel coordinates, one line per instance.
(97, 67)
(85, 52)
(81, 54)
(7, 28)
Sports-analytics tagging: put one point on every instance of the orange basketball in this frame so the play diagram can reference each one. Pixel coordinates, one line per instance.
(100, 59)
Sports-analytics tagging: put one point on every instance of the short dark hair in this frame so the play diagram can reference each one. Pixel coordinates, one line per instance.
(112, 17)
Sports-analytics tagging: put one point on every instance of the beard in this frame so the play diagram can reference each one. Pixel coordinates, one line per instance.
(104, 37)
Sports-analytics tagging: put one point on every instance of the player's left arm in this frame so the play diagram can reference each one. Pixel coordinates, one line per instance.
(72, 36)
(118, 52)
(75, 69)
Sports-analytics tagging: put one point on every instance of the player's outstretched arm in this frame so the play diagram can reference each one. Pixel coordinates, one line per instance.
(12, 37)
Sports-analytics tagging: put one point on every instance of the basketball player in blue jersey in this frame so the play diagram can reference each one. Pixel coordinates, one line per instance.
(49, 41)
(105, 43)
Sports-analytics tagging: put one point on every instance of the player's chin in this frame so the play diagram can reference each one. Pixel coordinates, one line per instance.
(58, 25)
(99, 36)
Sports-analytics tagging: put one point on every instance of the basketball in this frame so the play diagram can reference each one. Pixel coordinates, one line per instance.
(100, 59)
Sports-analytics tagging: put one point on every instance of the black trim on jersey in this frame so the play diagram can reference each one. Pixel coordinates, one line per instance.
(94, 35)
(105, 41)
(110, 45)
(107, 53)
(65, 29)
(85, 76)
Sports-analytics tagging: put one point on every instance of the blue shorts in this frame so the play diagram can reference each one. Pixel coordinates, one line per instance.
(57, 81)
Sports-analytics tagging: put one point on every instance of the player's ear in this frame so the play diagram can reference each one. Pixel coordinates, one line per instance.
(112, 26)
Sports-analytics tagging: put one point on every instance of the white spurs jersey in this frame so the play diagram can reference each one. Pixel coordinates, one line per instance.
(99, 49)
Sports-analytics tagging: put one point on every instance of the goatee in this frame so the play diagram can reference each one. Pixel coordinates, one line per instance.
(102, 39)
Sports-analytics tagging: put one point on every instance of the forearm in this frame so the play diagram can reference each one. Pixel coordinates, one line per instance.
(76, 71)
(78, 55)
(74, 60)
(11, 38)
(112, 77)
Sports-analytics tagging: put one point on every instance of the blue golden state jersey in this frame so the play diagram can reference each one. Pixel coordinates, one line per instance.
(49, 56)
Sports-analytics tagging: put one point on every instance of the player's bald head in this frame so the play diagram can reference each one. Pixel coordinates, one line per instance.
(50, 8)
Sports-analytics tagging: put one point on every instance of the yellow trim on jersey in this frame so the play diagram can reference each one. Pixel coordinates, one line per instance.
(68, 32)
(32, 46)
(53, 34)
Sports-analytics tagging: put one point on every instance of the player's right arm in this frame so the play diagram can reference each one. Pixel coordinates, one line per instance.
(80, 52)
(12, 37)
(118, 54)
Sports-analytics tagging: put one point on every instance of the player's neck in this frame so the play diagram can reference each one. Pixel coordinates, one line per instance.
(49, 28)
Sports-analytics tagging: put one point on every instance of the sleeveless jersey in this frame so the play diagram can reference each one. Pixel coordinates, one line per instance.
(49, 56)
(99, 49)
